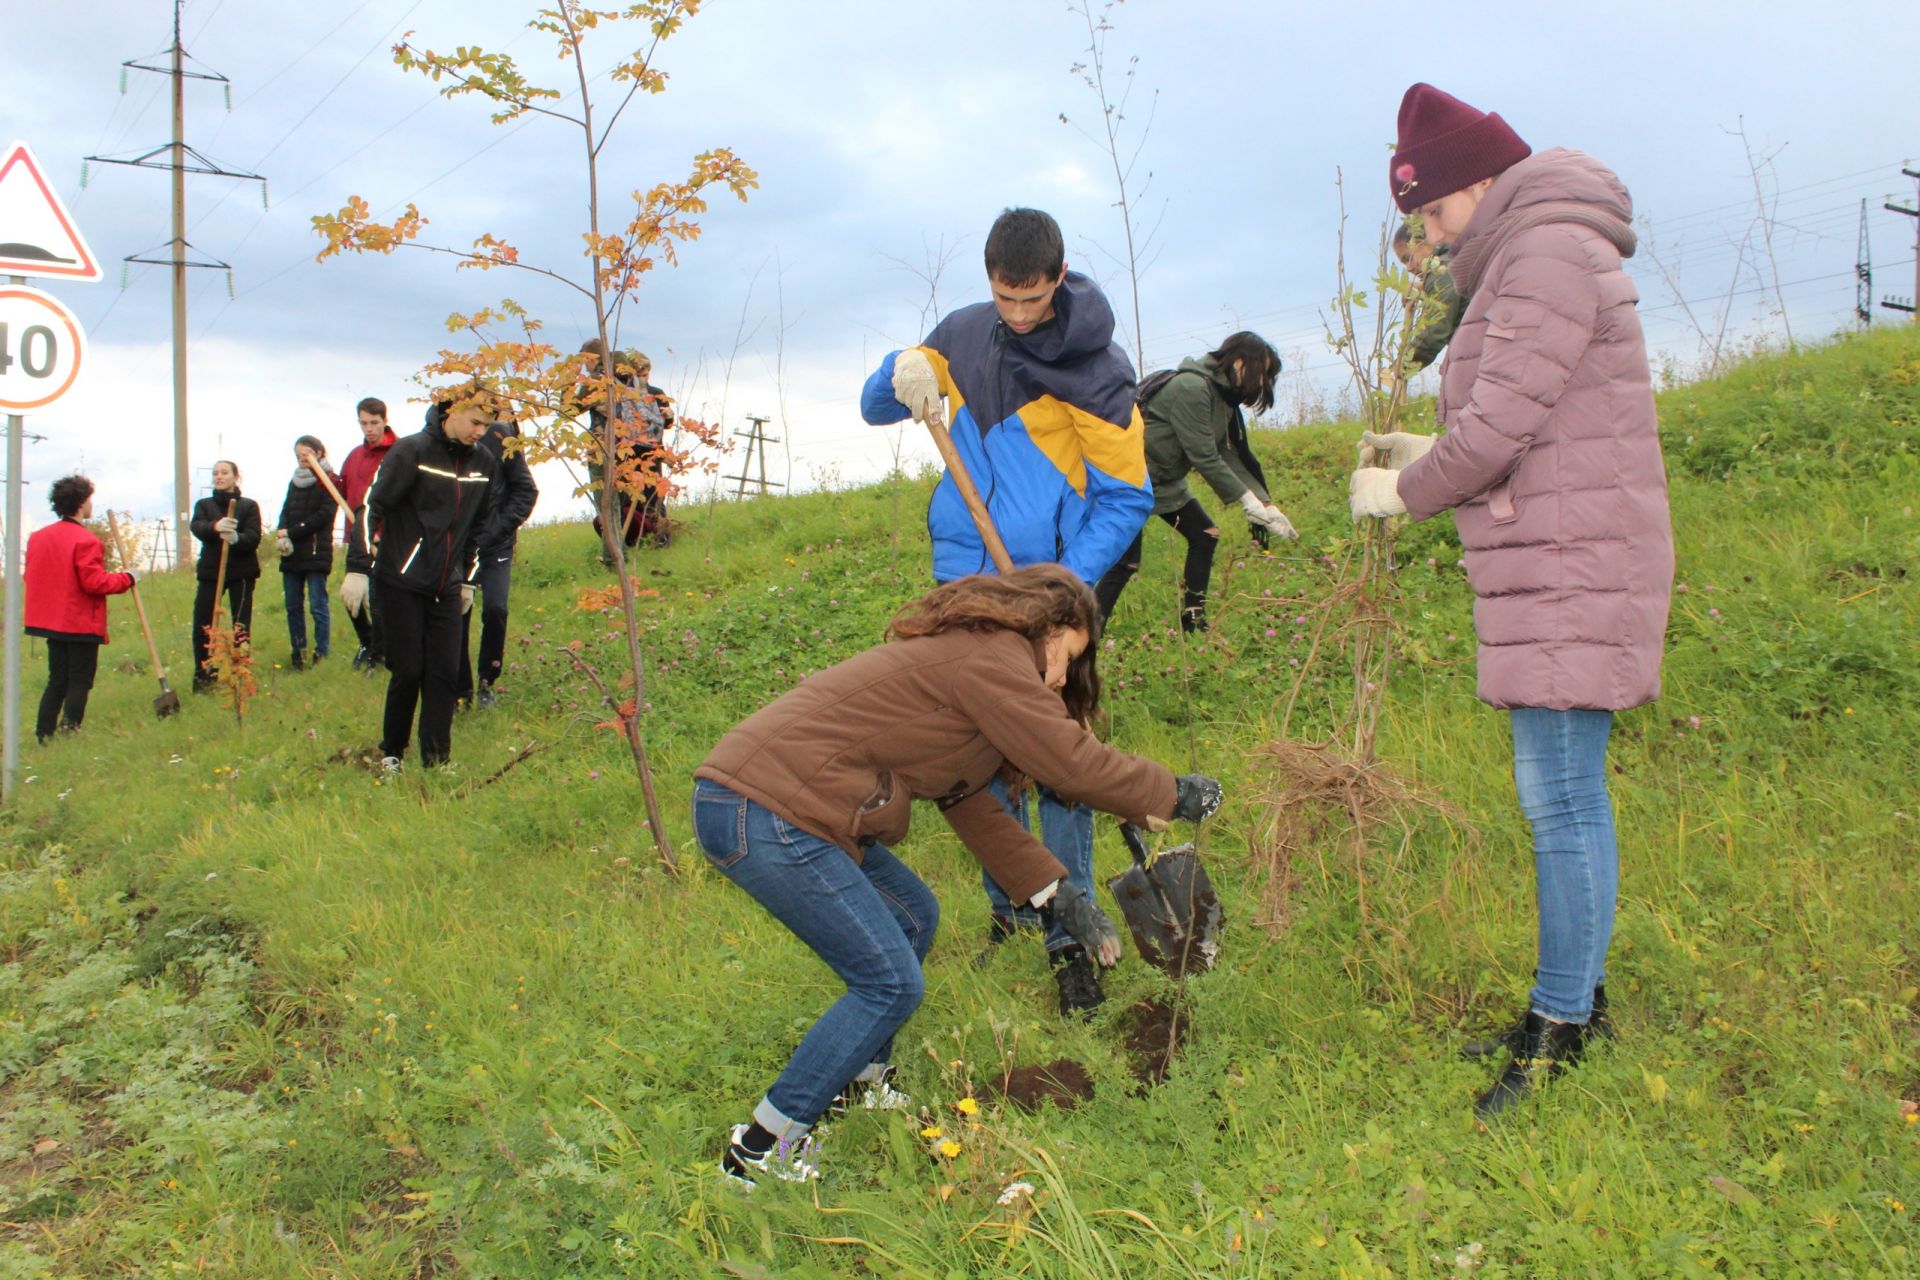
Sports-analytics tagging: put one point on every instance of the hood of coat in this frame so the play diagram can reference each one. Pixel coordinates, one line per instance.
(1082, 324)
(1560, 186)
(1208, 368)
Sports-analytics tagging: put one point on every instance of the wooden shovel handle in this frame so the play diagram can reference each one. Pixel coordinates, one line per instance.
(220, 574)
(320, 474)
(139, 605)
(963, 481)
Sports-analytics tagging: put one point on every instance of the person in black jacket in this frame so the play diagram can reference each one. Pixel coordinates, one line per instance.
(240, 534)
(513, 498)
(305, 540)
(429, 501)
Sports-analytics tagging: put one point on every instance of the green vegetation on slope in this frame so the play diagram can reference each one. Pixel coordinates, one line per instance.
(264, 1015)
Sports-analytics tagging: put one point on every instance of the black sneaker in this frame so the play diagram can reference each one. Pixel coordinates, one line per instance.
(360, 659)
(789, 1162)
(999, 929)
(485, 696)
(299, 661)
(1078, 980)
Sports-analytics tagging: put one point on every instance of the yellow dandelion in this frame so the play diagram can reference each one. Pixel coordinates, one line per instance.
(950, 1149)
(967, 1107)
(931, 1132)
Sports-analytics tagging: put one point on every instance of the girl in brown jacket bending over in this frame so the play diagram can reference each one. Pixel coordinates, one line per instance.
(983, 676)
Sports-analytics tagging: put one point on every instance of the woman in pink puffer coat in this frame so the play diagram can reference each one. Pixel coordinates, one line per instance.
(1551, 464)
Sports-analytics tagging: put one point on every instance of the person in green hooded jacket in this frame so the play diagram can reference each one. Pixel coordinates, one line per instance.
(1441, 304)
(1193, 422)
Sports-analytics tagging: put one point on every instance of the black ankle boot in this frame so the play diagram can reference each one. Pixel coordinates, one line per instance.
(1599, 1027)
(999, 929)
(1078, 980)
(1546, 1049)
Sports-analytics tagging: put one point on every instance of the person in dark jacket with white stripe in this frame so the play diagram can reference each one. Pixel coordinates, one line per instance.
(513, 499)
(429, 501)
(304, 537)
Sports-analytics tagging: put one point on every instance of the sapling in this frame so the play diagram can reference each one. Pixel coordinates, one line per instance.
(509, 367)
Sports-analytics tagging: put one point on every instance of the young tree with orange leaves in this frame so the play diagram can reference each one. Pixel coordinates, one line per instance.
(509, 366)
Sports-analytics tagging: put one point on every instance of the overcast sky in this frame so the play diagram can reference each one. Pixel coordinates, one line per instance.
(885, 133)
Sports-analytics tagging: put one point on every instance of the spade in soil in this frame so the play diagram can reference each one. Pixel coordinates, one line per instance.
(1170, 906)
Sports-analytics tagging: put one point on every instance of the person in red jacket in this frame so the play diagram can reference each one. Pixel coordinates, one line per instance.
(356, 475)
(67, 585)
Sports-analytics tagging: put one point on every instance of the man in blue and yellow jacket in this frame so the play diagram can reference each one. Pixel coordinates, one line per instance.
(1043, 417)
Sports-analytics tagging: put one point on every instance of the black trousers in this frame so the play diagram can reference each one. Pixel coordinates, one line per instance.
(71, 665)
(423, 659)
(1192, 523)
(495, 581)
(366, 625)
(239, 608)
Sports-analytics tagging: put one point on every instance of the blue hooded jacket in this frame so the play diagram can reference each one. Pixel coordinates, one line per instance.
(1046, 424)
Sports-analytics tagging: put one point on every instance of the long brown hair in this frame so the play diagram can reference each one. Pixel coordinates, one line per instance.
(1034, 601)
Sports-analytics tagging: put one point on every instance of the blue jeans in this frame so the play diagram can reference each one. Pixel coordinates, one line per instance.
(1067, 831)
(315, 587)
(1560, 771)
(871, 921)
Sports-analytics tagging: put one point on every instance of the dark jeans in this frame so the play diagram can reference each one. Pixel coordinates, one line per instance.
(239, 612)
(70, 668)
(871, 921)
(648, 516)
(314, 586)
(495, 581)
(423, 657)
(1192, 523)
(1067, 831)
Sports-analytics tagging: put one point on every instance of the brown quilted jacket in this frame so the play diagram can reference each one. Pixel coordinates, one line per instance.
(845, 752)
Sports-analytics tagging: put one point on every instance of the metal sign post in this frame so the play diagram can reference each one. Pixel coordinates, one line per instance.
(10, 752)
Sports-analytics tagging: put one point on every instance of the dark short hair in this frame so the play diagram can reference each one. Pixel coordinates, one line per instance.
(1025, 246)
(1403, 235)
(68, 495)
(372, 405)
(1259, 368)
(313, 443)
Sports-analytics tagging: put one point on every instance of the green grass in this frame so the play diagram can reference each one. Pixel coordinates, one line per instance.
(263, 1016)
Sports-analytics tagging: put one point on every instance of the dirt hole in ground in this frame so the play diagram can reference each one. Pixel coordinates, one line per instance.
(1154, 1032)
(1063, 1082)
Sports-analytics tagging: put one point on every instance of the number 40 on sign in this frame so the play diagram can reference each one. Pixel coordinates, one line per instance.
(41, 347)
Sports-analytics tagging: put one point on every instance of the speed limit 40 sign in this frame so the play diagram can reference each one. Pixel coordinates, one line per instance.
(41, 348)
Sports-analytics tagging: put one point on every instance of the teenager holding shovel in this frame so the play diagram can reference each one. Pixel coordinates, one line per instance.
(304, 537)
(1193, 423)
(1044, 422)
(224, 519)
(986, 679)
(1551, 464)
(67, 585)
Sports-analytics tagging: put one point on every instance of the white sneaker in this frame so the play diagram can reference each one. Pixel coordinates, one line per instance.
(870, 1095)
(787, 1161)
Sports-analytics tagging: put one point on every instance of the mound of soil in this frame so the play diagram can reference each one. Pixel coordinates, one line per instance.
(1154, 1032)
(1063, 1082)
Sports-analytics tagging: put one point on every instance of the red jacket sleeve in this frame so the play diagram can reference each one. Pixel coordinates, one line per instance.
(90, 570)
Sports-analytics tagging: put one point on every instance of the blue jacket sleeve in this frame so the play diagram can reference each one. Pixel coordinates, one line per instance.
(1117, 512)
(877, 402)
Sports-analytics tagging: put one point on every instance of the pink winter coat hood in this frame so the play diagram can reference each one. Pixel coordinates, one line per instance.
(1551, 457)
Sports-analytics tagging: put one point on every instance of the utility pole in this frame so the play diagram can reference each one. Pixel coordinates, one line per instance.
(1912, 305)
(1863, 274)
(757, 441)
(177, 256)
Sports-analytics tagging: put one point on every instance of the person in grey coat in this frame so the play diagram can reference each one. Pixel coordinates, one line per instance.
(1193, 423)
(1551, 465)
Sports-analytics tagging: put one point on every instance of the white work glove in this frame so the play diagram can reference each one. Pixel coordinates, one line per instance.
(466, 597)
(1375, 491)
(226, 524)
(283, 542)
(1393, 450)
(916, 386)
(1266, 515)
(229, 536)
(353, 593)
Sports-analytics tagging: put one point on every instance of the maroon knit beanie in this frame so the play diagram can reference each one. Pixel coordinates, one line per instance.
(1446, 146)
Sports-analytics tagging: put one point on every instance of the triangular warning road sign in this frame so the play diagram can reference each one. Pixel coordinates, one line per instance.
(37, 237)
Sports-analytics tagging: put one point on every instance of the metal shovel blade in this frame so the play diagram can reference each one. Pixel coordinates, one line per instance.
(1170, 907)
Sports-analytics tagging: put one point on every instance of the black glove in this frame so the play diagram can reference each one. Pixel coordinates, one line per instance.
(1262, 536)
(1084, 922)
(1196, 797)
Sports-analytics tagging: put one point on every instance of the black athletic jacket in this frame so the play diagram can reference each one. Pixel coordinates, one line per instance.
(429, 500)
(243, 557)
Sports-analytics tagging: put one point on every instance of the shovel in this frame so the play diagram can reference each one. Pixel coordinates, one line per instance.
(1170, 906)
(168, 702)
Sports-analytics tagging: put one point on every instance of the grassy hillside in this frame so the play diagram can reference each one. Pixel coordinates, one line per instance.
(264, 1015)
